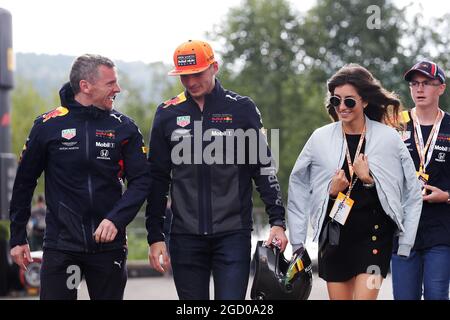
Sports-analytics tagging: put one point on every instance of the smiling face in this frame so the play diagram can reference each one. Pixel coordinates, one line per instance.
(426, 96)
(103, 90)
(349, 116)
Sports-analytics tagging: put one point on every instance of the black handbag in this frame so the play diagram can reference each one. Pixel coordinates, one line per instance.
(330, 235)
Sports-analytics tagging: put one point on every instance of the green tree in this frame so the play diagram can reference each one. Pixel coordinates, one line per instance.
(260, 59)
(339, 32)
(131, 103)
(261, 43)
(427, 40)
(27, 105)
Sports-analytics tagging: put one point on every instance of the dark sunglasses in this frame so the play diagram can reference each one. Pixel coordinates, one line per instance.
(336, 102)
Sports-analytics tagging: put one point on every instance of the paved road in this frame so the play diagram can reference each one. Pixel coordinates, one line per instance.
(162, 288)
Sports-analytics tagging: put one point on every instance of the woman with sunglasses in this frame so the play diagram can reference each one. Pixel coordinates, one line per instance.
(356, 183)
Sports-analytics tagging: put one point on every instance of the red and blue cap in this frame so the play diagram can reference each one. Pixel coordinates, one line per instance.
(427, 68)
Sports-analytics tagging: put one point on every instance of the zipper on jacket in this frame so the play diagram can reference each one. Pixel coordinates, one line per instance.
(89, 178)
(203, 183)
(204, 202)
(83, 230)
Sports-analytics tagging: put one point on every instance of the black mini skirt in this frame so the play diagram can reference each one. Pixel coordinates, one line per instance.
(365, 246)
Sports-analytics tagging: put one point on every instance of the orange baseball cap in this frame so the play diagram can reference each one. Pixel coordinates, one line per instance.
(190, 57)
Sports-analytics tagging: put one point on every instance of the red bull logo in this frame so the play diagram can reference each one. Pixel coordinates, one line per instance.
(58, 112)
(177, 100)
(222, 118)
(110, 134)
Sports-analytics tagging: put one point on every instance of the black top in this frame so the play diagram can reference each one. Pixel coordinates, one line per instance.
(426, 130)
(364, 198)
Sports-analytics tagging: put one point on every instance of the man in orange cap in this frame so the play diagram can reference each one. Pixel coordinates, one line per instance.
(211, 184)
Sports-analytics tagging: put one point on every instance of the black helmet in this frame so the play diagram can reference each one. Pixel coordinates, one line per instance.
(279, 279)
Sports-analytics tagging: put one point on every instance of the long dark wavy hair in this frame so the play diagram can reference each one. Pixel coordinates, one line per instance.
(383, 106)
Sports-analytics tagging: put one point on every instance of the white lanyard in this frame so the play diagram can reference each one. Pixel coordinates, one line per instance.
(426, 150)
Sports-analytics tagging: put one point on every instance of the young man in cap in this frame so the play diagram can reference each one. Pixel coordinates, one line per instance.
(427, 136)
(211, 183)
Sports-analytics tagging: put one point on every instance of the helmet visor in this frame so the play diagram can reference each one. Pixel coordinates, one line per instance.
(294, 269)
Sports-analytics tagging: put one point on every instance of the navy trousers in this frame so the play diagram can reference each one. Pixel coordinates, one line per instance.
(226, 256)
